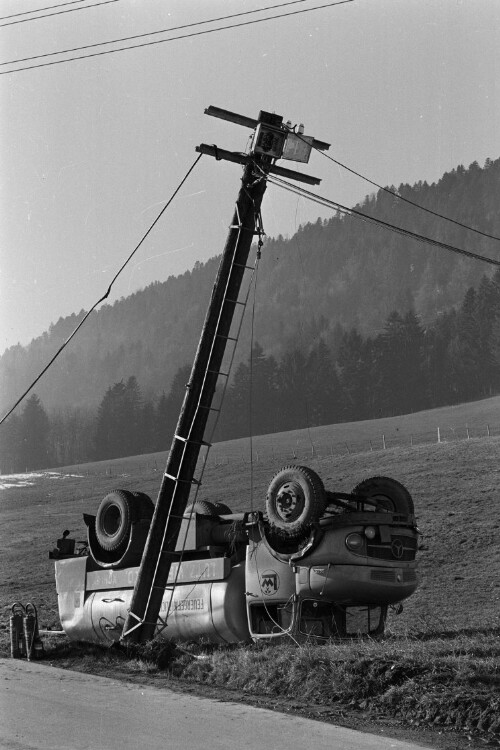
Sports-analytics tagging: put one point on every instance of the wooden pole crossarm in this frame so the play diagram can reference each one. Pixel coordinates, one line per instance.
(291, 174)
(239, 158)
(225, 114)
(250, 122)
(220, 153)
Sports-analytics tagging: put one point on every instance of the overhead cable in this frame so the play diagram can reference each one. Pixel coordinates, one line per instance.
(151, 33)
(314, 197)
(39, 10)
(163, 41)
(402, 198)
(106, 295)
(56, 13)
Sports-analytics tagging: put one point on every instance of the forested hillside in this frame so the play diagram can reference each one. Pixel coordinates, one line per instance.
(405, 368)
(330, 276)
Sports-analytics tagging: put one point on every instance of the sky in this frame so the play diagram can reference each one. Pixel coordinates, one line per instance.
(90, 150)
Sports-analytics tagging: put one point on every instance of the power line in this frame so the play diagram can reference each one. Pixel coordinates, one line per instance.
(151, 33)
(315, 198)
(171, 39)
(106, 295)
(39, 10)
(57, 13)
(402, 198)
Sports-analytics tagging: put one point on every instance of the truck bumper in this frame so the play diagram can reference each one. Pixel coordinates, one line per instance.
(353, 584)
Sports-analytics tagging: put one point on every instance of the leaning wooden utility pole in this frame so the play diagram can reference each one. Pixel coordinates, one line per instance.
(270, 141)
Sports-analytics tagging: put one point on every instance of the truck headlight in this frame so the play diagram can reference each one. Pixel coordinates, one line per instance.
(355, 542)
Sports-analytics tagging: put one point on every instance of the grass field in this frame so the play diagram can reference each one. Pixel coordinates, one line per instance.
(446, 641)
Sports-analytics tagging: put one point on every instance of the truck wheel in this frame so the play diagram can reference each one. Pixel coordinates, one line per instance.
(203, 507)
(114, 519)
(144, 505)
(295, 499)
(390, 495)
(222, 509)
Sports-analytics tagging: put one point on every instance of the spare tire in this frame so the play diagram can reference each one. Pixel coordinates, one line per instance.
(144, 506)
(295, 499)
(115, 516)
(390, 495)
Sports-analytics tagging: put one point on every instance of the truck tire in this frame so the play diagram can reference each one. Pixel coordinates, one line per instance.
(115, 516)
(295, 499)
(222, 509)
(144, 505)
(203, 507)
(390, 495)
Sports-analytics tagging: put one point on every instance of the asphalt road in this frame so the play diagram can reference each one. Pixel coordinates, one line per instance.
(45, 708)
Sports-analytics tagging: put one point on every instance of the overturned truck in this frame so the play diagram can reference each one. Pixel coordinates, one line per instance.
(317, 564)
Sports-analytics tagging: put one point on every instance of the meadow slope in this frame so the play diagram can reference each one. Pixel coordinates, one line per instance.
(439, 665)
(455, 485)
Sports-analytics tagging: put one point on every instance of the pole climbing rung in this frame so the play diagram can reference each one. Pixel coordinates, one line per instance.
(224, 375)
(170, 587)
(194, 442)
(171, 553)
(242, 265)
(178, 479)
(210, 408)
(235, 301)
(226, 338)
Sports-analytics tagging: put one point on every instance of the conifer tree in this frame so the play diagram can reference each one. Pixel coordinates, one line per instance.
(264, 385)
(236, 419)
(293, 391)
(34, 435)
(147, 429)
(323, 386)
(355, 367)
(414, 380)
(437, 360)
(162, 428)
(169, 408)
(131, 419)
(11, 445)
(465, 351)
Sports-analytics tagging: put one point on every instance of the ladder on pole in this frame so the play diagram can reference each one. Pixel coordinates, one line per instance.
(178, 479)
(161, 545)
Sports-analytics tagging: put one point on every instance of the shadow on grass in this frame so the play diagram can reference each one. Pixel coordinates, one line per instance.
(433, 635)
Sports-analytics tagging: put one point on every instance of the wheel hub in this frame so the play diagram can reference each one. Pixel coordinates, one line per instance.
(384, 503)
(290, 501)
(111, 520)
